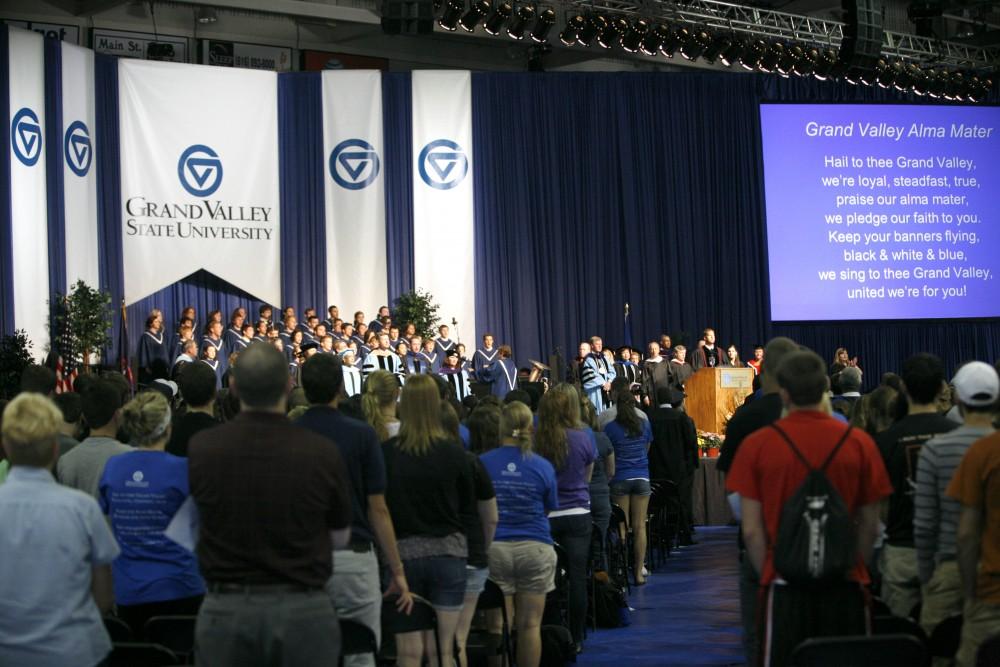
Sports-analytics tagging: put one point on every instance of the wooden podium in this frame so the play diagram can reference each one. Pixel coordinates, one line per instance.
(713, 394)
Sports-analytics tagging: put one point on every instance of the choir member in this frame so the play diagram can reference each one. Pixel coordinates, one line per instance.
(326, 344)
(332, 313)
(361, 331)
(502, 373)
(213, 337)
(246, 337)
(443, 343)
(235, 330)
(209, 357)
(484, 356)
(377, 325)
(291, 326)
(457, 377)
(154, 353)
(432, 355)
(394, 338)
(264, 315)
(262, 327)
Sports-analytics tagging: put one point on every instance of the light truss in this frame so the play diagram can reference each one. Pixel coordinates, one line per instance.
(772, 24)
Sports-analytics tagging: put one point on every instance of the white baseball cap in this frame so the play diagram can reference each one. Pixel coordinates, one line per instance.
(976, 384)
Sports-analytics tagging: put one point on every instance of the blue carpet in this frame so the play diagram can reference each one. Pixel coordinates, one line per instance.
(687, 614)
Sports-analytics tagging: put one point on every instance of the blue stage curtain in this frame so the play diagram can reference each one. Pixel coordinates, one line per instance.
(597, 190)
(397, 137)
(54, 170)
(109, 190)
(6, 240)
(302, 169)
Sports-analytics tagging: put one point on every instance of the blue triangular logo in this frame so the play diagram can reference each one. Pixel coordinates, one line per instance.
(354, 163)
(28, 132)
(442, 163)
(201, 168)
(80, 145)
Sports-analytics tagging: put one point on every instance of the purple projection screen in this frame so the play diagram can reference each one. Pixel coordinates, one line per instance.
(881, 212)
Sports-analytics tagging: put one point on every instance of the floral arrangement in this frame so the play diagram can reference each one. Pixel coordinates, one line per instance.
(710, 443)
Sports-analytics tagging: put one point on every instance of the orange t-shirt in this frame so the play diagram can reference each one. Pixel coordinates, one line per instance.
(767, 470)
(977, 484)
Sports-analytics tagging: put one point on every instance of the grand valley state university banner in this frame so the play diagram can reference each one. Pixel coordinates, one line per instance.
(199, 172)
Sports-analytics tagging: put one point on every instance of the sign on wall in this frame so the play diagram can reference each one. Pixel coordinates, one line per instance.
(61, 31)
(248, 56)
(141, 45)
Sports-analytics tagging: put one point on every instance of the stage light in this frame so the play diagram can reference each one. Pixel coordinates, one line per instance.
(922, 84)
(695, 44)
(750, 58)
(205, 16)
(650, 44)
(733, 52)
(793, 54)
(524, 15)
(902, 79)
(452, 13)
(495, 21)
(716, 48)
(594, 26)
(980, 89)
(543, 24)
(823, 68)
(938, 82)
(885, 74)
(477, 12)
(956, 88)
(633, 37)
(612, 32)
(574, 25)
(769, 61)
(671, 42)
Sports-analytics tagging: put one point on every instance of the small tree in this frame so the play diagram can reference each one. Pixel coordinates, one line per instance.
(15, 356)
(86, 316)
(419, 308)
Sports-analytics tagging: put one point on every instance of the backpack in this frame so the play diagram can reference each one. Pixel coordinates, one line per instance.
(816, 541)
(610, 606)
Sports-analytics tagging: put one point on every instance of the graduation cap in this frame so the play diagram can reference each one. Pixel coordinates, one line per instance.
(311, 345)
(346, 351)
(623, 348)
(452, 352)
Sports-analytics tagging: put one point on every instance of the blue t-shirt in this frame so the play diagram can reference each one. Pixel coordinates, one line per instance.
(574, 487)
(141, 491)
(526, 493)
(631, 458)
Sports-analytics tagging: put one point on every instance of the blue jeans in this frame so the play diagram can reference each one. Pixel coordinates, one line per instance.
(438, 579)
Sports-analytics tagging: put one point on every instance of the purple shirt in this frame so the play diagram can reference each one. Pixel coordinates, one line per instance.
(574, 488)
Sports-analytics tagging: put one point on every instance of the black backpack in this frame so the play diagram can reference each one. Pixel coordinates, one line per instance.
(816, 541)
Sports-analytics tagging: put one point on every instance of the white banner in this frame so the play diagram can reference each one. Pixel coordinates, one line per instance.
(443, 242)
(199, 155)
(355, 191)
(29, 225)
(79, 167)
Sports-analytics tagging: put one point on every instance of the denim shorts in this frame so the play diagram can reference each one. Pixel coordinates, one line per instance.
(630, 487)
(438, 579)
(475, 580)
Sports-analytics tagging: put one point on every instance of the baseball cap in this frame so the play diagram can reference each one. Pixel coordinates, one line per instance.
(976, 384)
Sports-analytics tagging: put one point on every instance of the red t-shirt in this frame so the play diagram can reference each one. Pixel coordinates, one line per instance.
(766, 469)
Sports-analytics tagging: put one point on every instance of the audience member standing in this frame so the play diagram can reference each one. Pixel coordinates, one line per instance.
(935, 519)
(55, 551)
(572, 453)
(655, 373)
(82, 466)
(522, 560)
(923, 379)
(429, 485)
(600, 493)
(197, 387)
(141, 491)
(769, 469)
(354, 586)
(673, 454)
(273, 503)
(379, 402)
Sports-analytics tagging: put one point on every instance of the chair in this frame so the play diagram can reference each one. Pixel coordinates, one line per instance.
(946, 637)
(861, 651)
(142, 654)
(664, 518)
(174, 632)
(989, 652)
(118, 630)
(619, 547)
(356, 639)
(897, 625)
(557, 601)
(484, 644)
(421, 618)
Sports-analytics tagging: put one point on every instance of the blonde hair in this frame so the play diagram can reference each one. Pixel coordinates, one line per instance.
(516, 423)
(146, 418)
(381, 389)
(420, 415)
(30, 430)
(558, 410)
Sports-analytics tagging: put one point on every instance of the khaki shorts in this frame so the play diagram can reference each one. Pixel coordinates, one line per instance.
(523, 567)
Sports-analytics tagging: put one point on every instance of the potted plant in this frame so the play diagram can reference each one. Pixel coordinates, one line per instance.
(15, 356)
(418, 307)
(709, 444)
(85, 319)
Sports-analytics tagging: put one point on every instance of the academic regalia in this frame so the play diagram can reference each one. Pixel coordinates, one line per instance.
(386, 362)
(363, 351)
(433, 361)
(309, 337)
(375, 326)
(458, 380)
(393, 344)
(352, 381)
(152, 347)
(359, 340)
(260, 339)
(286, 335)
(240, 344)
(481, 359)
(702, 357)
(502, 376)
(414, 363)
(230, 336)
(180, 362)
(679, 373)
(217, 367)
(220, 352)
(630, 371)
(443, 344)
(655, 374)
(595, 372)
(293, 370)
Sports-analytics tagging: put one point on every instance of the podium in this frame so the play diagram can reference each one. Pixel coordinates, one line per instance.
(713, 394)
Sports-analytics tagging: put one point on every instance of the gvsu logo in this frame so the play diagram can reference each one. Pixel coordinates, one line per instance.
(354, 164)
(78, 149)
(443, 164)
(26, 136)
(200, 170)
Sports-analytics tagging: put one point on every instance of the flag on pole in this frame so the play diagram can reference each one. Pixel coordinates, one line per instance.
(66, 370)
(124, 362)
(627, 338)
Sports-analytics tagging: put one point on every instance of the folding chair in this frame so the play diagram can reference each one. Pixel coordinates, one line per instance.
(619, 546)
(174, 632)
(664, 518)
(484, 644)
(861, 651)
(421, 618)
(356, 639)
(118, 630)
(136, 654)
(989, 652)
(897, 625)
(557, 601)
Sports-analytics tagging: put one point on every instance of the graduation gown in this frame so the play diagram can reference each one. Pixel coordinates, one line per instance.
(217, 367)
(458, 380)
(433, 361)
(230, 336)
(443, 345)
(655, 374)
(386, 362)
(414, 363)
(481, 359)
(502, 377)
(221, 353)
(629, 371)
(152, 347)
(595, 372)
(352, 381)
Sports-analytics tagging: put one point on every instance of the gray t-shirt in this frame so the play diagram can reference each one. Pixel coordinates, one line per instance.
(82, 466)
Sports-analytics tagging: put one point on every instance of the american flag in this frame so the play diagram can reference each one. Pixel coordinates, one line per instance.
(66, 361)
(124, 362)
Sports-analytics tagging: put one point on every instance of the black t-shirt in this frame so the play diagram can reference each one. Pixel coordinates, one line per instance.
(184, 429)
(900, 447)
(483, 489)
(750, 417)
